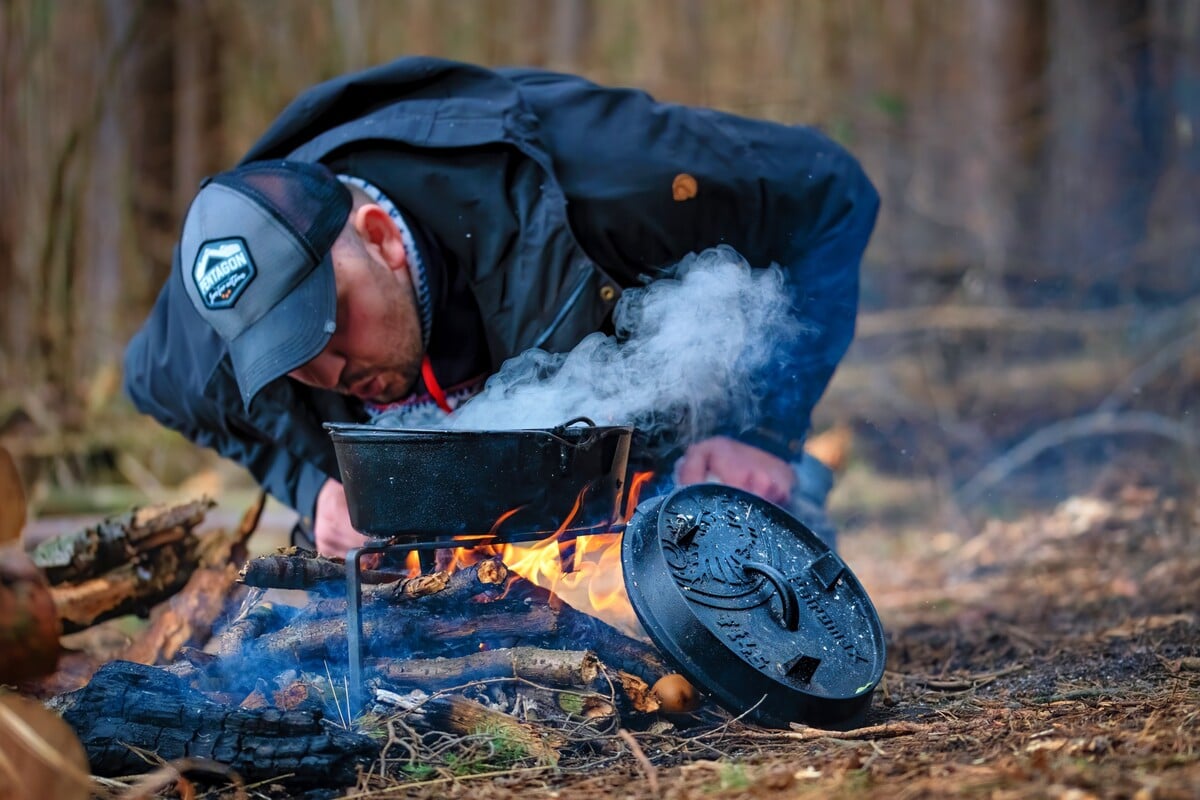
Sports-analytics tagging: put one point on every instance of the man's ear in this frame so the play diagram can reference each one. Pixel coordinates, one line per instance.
(380, 235)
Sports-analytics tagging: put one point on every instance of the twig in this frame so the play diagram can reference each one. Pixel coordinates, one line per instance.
(887, 730)
(1173, 352)
(1076, 694)
(640, 756)
(1094, 424)
(405, 787)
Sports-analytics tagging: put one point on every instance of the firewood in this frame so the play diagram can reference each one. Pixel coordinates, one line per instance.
(113, 543)
(584, 714)
(128, 706)
(297, 568)
(443, 588)
(29, 625)
(258, 619)
(187, 618)
(552, 667)
(487, 576)
(417, 631)
(457, 714)
(614, 648)
(132, 588)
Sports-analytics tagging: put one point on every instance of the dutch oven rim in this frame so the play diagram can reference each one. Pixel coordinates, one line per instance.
(355, 432)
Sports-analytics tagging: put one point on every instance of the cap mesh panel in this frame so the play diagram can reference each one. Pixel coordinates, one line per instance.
(307, 198)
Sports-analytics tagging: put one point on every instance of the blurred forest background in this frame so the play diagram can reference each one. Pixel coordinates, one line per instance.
(1034, 272)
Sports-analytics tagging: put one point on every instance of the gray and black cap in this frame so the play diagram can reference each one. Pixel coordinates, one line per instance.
(255, 260)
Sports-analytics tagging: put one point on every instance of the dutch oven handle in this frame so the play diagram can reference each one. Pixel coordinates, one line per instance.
(787, 595)
(559, 430)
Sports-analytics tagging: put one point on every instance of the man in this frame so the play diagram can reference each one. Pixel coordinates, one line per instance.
(476, 214)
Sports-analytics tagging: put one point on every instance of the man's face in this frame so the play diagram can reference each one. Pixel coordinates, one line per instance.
(375, 353)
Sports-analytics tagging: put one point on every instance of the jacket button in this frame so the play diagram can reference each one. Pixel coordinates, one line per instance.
(607, 293)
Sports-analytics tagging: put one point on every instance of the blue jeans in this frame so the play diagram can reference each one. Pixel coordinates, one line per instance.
(813, 482)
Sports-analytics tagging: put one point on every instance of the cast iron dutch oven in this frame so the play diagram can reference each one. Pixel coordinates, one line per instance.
(423, 483)
(752, 607)
(741, 597)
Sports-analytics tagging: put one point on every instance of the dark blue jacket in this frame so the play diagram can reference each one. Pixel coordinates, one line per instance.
(547, 195)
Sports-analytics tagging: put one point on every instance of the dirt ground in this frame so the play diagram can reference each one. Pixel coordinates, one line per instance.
(1054, 655)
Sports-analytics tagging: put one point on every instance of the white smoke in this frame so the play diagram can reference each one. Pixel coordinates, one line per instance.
(683, 360)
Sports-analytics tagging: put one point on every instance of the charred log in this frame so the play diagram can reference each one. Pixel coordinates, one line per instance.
(128, 706)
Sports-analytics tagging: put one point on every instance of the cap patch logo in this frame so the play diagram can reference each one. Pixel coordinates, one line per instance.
(222, 271)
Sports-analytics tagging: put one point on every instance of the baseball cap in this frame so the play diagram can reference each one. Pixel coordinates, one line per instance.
(254, 258)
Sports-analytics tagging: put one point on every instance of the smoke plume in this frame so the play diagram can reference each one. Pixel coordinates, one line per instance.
(686, 359)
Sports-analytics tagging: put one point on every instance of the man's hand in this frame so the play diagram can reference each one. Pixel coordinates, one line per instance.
(331, 522)
(733, 463)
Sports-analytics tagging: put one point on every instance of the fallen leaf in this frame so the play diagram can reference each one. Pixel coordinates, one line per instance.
(40, 756)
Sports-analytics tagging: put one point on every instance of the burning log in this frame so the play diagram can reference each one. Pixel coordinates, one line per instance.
(419, 630)
(29, 626)
(128, 706)
(443, 588)
(613, 647)
(539, 665)
(297, 568)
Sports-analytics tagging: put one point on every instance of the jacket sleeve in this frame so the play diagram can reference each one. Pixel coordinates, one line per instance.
(778, 194)
(175, 371)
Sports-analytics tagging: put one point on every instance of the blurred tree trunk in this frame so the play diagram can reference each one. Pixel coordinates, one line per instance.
(1103, 152)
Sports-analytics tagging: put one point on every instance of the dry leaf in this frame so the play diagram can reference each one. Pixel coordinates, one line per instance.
(40, 756)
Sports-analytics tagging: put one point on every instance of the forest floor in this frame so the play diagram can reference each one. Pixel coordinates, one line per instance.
(1053, 653)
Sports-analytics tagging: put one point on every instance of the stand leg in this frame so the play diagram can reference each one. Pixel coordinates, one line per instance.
(354, 617)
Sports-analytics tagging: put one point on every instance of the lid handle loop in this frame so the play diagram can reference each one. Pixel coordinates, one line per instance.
(790, 618)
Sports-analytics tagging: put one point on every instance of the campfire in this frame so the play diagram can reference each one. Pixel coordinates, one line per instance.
(565, 624)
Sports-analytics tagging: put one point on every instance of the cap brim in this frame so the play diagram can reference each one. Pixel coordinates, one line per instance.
(291, 334)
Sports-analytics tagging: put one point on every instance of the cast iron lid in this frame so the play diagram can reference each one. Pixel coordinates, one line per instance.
(752, 607)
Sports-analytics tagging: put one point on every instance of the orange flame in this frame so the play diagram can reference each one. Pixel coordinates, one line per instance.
(595, 582)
